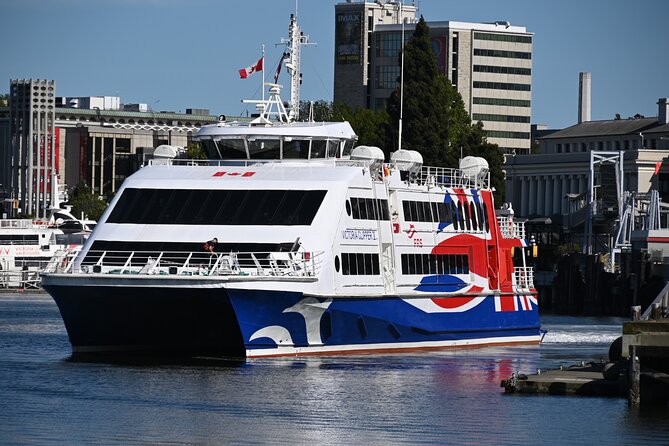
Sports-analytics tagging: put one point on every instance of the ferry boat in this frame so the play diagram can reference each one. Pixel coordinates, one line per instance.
(27, 246)
(323, 248)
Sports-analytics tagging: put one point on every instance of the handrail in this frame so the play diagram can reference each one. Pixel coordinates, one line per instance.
(253, 264)
(661, 302)
(523, 277)
(511, 228)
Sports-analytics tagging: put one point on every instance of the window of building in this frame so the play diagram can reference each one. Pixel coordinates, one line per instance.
(387, 76)
(502, 86)
(435, 264)
(502, 70)
(558, 148)
(502, 53)
(500, 118)
(217, 207)
(503, 102)
(501, 134)
(388, 44)
(359, 264)
(502, 37)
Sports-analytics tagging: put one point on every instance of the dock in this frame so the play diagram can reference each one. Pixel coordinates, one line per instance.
(587, 379)
(638, 367)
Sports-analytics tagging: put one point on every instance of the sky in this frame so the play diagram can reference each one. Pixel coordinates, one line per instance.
(179, 54)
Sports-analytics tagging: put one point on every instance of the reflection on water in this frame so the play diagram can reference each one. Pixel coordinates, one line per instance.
(448, 397)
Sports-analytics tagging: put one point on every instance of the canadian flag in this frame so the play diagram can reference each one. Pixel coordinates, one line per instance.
(246, 72)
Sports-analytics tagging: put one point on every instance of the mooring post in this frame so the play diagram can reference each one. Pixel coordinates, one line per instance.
(635, 378)
(636, 312)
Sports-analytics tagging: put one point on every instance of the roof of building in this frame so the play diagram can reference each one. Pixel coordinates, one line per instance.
(664, 128)
(602, 128)
(500, 27)
(133, 114)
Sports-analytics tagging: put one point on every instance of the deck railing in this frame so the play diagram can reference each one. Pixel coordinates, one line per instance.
(511, 228)
(446, 177)
(257, 264)
(428, 175)
(523, 277)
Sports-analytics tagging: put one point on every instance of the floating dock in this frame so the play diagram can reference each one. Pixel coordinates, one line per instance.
(639, 367)
(574, 380)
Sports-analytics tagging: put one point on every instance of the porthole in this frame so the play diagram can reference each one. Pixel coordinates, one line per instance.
(348, 209)
(337, 263)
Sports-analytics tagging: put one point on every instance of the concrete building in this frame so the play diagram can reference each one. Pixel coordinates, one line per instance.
(489, 63)
(542, 185)
(32, 159)
(40, 143)
(355, 24)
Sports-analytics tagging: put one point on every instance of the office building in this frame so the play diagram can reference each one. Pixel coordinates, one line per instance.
(489, 63)
(91, 139)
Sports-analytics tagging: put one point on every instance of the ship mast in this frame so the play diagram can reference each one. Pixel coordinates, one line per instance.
(292, 61)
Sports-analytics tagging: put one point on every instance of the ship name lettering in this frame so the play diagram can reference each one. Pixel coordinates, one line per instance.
(358, 234)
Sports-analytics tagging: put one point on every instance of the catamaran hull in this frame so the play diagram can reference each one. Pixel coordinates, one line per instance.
(224, 321)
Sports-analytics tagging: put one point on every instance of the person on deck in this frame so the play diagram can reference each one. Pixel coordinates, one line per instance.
(210, 246)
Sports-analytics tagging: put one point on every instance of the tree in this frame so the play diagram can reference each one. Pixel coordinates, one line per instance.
(435, 121)
(372, 127)
(84, 200)
(4, 100)
(195, 151)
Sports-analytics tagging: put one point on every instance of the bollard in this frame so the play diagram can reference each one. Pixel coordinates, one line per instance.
(636, 312)
(634, 396)
(656, 312)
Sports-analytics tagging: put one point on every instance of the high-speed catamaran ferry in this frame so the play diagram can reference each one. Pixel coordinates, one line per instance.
(322, 248)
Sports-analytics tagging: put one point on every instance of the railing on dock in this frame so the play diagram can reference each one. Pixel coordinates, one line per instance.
(511, 228)
(659, 308)
(523, 277)
(253, 264)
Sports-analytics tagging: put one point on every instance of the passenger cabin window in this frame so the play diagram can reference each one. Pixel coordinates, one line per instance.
(470, 217)
(296, 149)
(19, 239)
(435, 264)
(359, 264)
(369, 209)
(217, 207)
(264, 148)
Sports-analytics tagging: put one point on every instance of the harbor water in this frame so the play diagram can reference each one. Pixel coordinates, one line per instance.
(447, 397)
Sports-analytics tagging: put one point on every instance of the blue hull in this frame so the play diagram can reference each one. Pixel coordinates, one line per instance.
(229, 322)
(276, 323)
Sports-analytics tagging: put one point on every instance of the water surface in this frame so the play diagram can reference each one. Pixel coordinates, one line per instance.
(450, 397)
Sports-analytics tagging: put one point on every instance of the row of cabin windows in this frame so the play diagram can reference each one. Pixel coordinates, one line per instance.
(276, 148)
(217, 207)
(435, 264)
(471, 217)
(358, 264)
(367, 208)
(19, 239)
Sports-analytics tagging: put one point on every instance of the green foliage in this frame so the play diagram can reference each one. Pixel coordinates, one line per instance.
(84, 200)
(4, 100)
(435, 121)
(196, 152)
(372, 127)
(322, 110)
